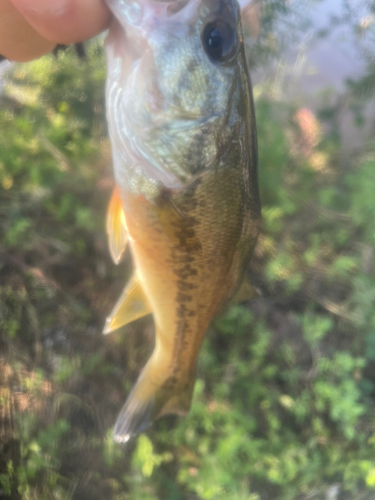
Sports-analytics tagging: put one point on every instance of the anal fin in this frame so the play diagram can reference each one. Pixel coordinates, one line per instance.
(131, 305)
(116, 227)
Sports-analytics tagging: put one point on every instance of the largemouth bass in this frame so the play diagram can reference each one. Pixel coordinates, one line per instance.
(183, 137)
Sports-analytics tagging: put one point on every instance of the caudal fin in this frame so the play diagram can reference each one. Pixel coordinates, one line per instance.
(135, 417)
(152, 396)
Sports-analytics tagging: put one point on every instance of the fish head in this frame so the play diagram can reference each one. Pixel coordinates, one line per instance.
(177, 89)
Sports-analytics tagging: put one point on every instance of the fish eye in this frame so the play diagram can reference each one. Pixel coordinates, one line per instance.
(220, 41)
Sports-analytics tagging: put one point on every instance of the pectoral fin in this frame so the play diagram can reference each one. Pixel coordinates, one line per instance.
(116, 227)
(245, 292)
(131, 305)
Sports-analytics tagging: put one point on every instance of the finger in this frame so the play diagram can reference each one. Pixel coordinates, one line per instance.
(65, 21)
(18, 40)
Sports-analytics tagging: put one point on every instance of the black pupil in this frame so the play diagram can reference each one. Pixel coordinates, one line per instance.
(214, 39)
(219, 40)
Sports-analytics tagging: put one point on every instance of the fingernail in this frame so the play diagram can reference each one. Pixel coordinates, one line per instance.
(42, 7)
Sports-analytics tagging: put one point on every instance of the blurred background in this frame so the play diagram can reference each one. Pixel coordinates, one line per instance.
(284, 402)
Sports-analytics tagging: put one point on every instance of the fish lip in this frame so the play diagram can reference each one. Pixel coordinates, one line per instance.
(139, 12)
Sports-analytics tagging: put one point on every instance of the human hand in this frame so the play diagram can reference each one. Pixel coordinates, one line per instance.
(31, 28)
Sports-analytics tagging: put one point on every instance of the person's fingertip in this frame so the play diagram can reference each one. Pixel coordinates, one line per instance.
(19, 41)
(65, 21)
(22, 53)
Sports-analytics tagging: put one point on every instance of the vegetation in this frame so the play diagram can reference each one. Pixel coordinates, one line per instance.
(283, 406)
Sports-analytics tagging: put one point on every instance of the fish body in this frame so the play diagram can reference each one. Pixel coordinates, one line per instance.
(183, 136)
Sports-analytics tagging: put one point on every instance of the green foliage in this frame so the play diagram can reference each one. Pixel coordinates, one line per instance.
(6, 478)
(39, 460)
(361, 185)
(144, 457)
(251, 437)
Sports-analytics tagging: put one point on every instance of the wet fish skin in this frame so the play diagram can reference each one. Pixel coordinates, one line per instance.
(183, 135)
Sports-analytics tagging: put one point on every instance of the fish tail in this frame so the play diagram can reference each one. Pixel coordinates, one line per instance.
(154, 394)
(135, 417)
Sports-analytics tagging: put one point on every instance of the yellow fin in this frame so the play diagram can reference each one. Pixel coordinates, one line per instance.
(131, 305)
(245, 292)
(116, 227)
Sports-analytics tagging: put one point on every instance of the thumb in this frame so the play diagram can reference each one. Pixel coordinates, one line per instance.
(18, 40)
(65, 21)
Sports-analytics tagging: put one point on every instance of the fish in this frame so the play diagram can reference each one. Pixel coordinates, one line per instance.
(182, 129)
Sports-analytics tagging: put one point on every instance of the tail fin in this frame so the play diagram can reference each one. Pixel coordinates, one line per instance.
(153, 396)
(135, 417)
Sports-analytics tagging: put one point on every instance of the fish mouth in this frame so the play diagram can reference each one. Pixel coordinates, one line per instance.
(134, 21)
